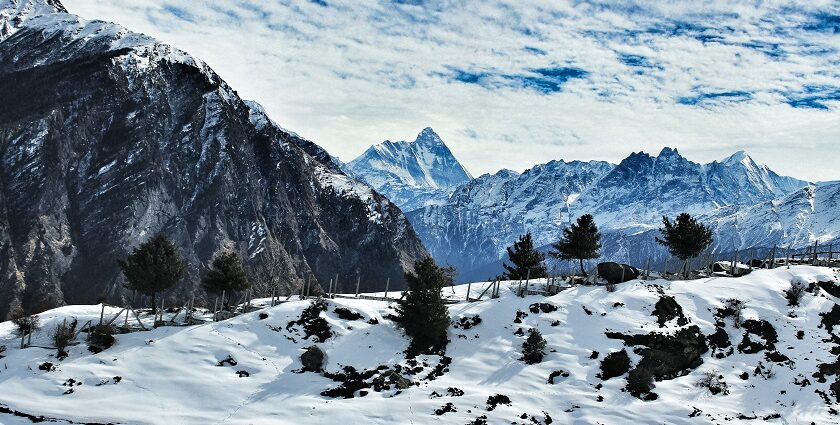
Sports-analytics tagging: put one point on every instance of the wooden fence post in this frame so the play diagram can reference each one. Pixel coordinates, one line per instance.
(468, 291)
(102, 313)
(358, 281)
(387, 282)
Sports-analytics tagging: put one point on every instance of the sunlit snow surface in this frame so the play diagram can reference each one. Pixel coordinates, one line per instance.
(170, 376)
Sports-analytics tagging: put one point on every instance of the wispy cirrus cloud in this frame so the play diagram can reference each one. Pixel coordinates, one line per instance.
(571, 79)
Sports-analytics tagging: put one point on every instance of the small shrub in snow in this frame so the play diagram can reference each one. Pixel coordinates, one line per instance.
(733, 308)
(610, 287)
(347, 314)
(640, 383)
(495, 400)
(794, 293)
(24, 324)
(533, 349)
(713, 382)
(63, 335)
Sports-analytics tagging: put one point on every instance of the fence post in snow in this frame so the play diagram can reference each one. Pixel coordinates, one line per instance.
(335, 287)
(830, 251)
(387, 282)
(102, 313)
(815, 251)
(468, 291)
(358, 281)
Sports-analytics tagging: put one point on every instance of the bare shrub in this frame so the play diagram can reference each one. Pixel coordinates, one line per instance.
(25, 324)
(713, 382)
(63, 335)
(610, 287)
(733, 308)
(794, 293)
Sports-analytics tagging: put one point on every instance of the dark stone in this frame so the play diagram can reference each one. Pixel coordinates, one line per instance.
(615, 364)
(312, 359)
(667, 309)
(832, 288)
(663, 356)
(347, 314)
(555, 374)
(761, 329)
(542, 307)
(830, 319)
(613, 272)
(495, 400)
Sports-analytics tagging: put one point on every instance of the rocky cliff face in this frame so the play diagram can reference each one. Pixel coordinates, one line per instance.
(108, 137)
(412, 174)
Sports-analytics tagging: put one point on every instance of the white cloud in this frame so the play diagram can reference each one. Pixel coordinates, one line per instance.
(706, 77)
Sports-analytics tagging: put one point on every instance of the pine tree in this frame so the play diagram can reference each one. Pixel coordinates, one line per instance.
(685, 237)
(153, 267)
(533, 349)
(524, 257)
(226, 275)
(422, 312)
(580, 241)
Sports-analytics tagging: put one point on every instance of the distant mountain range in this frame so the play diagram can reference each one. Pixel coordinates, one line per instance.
(747, 204)
(411, 174)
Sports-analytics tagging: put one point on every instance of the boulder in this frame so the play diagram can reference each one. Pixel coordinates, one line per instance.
(613, 272)
(312, 359)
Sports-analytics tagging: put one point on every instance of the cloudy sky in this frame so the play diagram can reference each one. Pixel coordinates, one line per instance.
(513, 83)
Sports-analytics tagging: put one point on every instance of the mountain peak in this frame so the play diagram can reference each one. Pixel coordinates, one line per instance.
(668, 152)
(739, 157)
(412, 174)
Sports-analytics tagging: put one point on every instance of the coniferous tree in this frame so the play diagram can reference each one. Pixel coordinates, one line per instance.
(153, 267)
(422, 312)
(533, 349)
(685, 237)
(580, 241)
(226, 275)
(524, 257)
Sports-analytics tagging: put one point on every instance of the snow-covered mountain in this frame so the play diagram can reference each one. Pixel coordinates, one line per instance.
(411, 174)
(778, 367)
(628, 200)
(108, 137)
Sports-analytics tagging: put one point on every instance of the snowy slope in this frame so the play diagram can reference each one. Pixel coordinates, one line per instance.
(170, 375)
(411, 174)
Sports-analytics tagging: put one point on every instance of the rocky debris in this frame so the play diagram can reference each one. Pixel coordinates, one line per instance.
(467, 322)
(615, 364)
(243, 373)
(617, 273)
(481, 420)
(519, 316)
(557, 373)
(831, 287)
(454, 392)
(761, 329)
(713, 382)
(46, 367)
(229, 360)
(380, 379)
(664, 356)
(263, 316)
(667, 309)
(312, 322)
(542, 307)
(831, 318)
(495, 400)
(313, 359)
(346, 314)
(446, 408)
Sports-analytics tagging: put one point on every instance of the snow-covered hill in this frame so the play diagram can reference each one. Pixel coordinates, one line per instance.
(779, 366)
(411, 174)
(485, 216)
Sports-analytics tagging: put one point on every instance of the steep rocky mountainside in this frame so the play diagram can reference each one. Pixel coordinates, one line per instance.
(411, 174)
(108, 137)
(628, 201)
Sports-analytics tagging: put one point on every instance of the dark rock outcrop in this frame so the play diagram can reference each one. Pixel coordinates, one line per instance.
(667, 309)
(617, 273)
(109, 140)
(312, 359)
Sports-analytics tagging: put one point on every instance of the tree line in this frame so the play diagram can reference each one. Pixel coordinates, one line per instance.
(684, 237)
